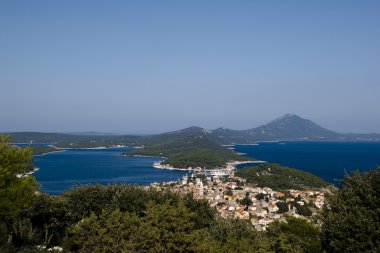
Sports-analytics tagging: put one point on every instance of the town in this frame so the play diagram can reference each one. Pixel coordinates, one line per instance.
(234, 198)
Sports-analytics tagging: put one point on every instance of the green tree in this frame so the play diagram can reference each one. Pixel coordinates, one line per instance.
(260, 196)
(110, 232)
(282, 207)
(17, 188)
(294, 235)
(303, 210)
(351, 215)
(246, 201)
(229, 192)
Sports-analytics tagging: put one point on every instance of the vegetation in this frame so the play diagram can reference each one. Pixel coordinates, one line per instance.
(280, 177)
(351, 217)
(282, 207)
(294, 235)
(191, 147)
(188, 150)
(17, 192)
(122, 218)
(40, 150)
(77, 141)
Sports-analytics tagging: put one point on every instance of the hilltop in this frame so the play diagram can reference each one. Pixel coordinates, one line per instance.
(286, 127)
(189, 147)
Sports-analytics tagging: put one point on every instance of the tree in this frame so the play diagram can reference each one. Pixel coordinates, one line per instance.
(163, 228)
(303, 210)
(294, 235)
(17, 188)
(246, 201)
(351, 216)
(229, 192)
(260, 196)
(110, 232)
(282, 207)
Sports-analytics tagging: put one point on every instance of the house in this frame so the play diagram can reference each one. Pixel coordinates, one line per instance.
(240, 207)
(279, 195)
(319, 202)
(273, 208)
(241, 214)
(265, 221)
(261, 213)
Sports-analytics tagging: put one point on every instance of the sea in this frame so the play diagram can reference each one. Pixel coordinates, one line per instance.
(328, 160)
(59, 171)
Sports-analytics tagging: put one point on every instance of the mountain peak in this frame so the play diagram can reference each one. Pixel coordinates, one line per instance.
(288, 116)
(291, 126)
(192, 130)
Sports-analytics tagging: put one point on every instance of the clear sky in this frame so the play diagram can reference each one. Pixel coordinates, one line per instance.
(153, 66)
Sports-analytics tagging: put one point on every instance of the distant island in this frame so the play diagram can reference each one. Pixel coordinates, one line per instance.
(184, 149)
(194, 146)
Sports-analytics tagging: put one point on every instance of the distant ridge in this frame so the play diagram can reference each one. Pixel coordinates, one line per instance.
(286, 127)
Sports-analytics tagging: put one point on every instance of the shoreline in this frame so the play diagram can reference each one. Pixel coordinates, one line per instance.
(93, 148)
(147, 156)
(28, 173)
(50, 152)
(228, 166)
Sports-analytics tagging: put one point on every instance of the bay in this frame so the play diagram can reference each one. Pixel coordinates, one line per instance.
(58, 171)
(327, 160)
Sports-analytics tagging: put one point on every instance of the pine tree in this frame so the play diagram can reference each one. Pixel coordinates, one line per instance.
(351, 218)
(17, 188)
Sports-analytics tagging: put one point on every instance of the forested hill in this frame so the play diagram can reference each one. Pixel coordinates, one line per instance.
(190, 147)
(280, 177)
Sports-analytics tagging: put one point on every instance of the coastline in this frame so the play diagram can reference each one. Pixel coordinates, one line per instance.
(147, 156)
(93, 148)
(50, 152)
(28, 173)
(229, 166)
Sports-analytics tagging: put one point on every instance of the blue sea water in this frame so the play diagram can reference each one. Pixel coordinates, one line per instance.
(58, 171)
(327, 160)
(61, 170)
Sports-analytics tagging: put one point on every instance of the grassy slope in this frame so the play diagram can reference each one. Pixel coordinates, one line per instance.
(280, 177)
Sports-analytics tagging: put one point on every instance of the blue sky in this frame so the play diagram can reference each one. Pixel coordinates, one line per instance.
(154, 66)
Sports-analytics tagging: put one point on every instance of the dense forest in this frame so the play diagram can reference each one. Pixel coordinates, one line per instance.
(279, 177)
(123, 218)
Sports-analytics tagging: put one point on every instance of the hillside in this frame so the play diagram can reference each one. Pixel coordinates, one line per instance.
(291, 127)
(187, 148)
(286, 127)
(280, 177)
